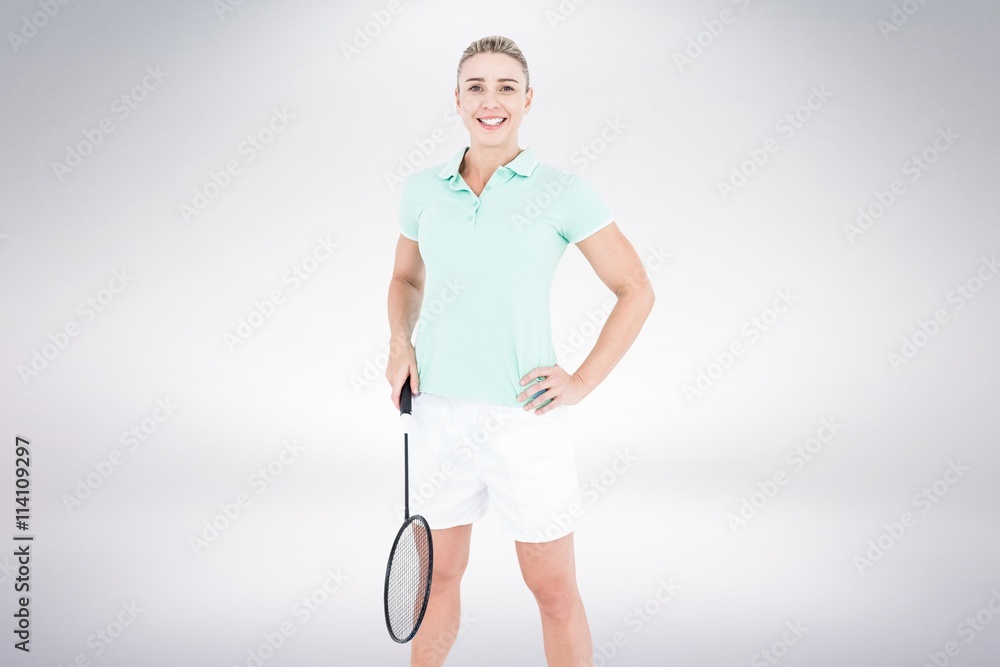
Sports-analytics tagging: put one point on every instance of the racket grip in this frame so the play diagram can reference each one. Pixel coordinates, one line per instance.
(405, 398)
(406, 405)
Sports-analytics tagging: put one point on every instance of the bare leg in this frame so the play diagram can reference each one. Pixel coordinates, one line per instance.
(441, 621)
(549, 570)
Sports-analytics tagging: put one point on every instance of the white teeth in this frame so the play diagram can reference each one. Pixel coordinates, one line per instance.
(492, 121)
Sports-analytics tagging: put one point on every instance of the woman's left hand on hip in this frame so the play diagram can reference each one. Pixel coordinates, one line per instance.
(559, 387)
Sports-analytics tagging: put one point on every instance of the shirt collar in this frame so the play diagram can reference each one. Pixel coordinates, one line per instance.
(523, 164)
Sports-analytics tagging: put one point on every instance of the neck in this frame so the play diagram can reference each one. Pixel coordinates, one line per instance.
(481, 161)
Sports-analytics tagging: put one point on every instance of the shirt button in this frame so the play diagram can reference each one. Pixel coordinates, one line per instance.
(470, 217)
(489, 187)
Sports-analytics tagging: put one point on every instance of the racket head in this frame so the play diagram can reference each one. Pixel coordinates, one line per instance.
(408, 579)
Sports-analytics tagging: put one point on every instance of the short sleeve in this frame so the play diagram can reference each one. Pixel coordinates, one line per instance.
(407, 212)
(585, 212)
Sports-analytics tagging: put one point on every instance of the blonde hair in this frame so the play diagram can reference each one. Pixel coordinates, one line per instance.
(494, 44)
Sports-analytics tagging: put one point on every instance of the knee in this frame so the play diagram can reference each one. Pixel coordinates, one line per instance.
(556, 594)
(449, 568)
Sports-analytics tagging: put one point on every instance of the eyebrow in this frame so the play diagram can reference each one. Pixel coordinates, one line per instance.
(479, 78)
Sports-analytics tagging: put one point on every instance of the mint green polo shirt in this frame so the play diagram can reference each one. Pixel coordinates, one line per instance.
(484, 321)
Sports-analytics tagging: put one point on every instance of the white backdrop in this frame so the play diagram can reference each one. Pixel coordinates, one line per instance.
(200, 211)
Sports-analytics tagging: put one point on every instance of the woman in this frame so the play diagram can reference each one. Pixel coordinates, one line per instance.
(480, 240)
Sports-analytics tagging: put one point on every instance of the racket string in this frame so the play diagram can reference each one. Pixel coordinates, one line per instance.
(408, 579)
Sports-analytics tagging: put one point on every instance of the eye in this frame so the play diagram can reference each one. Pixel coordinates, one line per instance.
(510, 87)
(474, 86)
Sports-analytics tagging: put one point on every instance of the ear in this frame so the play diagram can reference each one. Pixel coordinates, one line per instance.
(527, 99)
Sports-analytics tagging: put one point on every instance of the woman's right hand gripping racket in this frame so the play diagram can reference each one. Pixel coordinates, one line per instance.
(408, 572)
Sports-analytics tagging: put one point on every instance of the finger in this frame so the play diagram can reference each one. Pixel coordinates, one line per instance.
(532, 374)
(536, 400)
(551, 404)
(543, 372)
(533, 390)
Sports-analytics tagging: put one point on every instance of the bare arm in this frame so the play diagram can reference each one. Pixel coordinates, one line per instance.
(406, 293)
(619, 267)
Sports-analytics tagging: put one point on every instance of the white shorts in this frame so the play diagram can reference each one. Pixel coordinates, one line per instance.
(465, 453)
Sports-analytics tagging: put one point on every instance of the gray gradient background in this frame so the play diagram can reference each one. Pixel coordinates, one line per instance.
(335, 506)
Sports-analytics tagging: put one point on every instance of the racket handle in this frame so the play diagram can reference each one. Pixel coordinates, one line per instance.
(406, 404)
(405, 397)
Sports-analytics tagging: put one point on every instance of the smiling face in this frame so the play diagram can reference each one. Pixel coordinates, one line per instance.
(492, 99)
